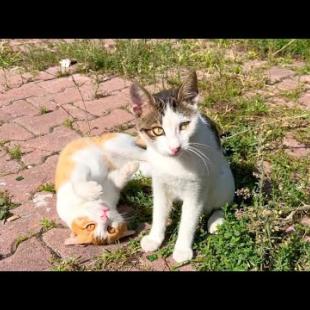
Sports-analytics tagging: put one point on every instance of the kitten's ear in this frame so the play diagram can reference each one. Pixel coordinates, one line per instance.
(189, 89)
(139, 97)
(72, 240)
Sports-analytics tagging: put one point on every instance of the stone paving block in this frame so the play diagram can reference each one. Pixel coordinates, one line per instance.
(52, 142)
(42, 124)
(11, 131)
(31, 255)
(20, 108)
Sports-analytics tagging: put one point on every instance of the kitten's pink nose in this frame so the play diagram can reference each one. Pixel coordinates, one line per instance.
(175, 150)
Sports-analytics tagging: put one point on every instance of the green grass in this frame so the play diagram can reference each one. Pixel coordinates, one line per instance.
(294, 94)
(44, 110)
(68, 264)
(47, 187)
(47, 224)
(68, 123)
(123, 258)
(8, 58)
(275, 50)
(5, 205)
(20, 240)
(15, 152)
(147, 61)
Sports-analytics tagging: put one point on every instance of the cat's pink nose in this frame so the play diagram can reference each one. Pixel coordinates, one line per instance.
(175, 150)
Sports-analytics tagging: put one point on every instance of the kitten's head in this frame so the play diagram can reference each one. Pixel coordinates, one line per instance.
(168, 119)
(91, 224)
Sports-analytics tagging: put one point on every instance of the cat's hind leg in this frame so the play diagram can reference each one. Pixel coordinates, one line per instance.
(215, 220)
(82, 186)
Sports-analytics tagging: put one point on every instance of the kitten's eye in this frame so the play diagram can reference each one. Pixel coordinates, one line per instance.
(157, 131)
(90, 227)
(184, 125)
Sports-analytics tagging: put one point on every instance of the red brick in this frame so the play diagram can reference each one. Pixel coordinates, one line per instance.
(294, 147)
(70, 95)
(20, 108)
(105, 123)
(46, 101)
(35, 157)
(14, 79)
(305, 78)
(287, 85)
(53, 70)
(13, 132)
(52, 142)
(31, 255)
(276, 74)
(305, 101)
(76, 113)
(32, 178)
(4, 117)
(43, 76)
(55, 239)
(27, 224)
(253, 64)
(25, 91)
(56, 85)
(7, 165)
(88, 91)
(104, 105)
(41, 124)
(110, 86)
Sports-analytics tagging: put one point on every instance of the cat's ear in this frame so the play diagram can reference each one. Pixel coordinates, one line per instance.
(189, 89)
(72, 241)
(139, 98)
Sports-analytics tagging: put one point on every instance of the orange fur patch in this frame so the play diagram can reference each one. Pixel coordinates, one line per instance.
(65, 164)
(83, 229)
(140, 142)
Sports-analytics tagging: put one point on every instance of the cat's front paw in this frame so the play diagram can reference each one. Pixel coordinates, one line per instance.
(149, 245)
(182, 255)
(131, 168)
(89, 190)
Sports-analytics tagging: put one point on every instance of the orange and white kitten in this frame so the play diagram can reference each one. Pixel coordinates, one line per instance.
(90, 174)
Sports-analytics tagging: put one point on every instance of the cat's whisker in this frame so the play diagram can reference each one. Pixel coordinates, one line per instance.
(199, 145)
(199, 156)
(201, 153)
(203, 160)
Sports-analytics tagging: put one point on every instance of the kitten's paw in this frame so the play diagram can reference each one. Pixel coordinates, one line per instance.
(213, 227)
(149, 245)
(89, 190)
(131, 168)
(215, 220)
(182, 255)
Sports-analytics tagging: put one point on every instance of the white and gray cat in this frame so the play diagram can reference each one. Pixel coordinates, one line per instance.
(187, 162)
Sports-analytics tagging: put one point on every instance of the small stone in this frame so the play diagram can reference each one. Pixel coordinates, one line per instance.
(13, 218)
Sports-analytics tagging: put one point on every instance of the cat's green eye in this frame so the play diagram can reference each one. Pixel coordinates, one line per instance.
(157, 131)
(184, 125)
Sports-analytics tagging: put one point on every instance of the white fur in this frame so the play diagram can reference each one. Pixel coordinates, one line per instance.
(203, 185)
(91, 184)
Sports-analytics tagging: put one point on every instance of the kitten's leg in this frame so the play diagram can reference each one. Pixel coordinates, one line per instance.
(216, 219)
(88, 190)
(161, 207)
(191, 210)
(144, 170)
(120, 177)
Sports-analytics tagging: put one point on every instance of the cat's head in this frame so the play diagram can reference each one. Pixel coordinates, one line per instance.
(91, 224)
(166, 120)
